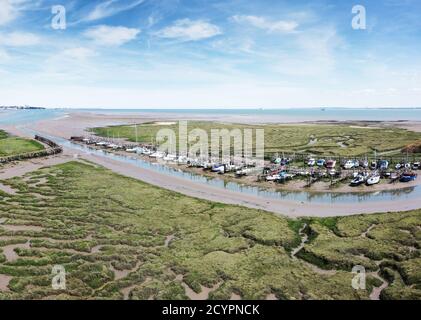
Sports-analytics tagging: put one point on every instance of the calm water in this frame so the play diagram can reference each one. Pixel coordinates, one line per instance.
(302, 114)
(271, 115)
(11, 117)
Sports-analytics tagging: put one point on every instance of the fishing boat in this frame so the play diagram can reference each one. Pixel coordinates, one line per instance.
(374, 179)
(311, 162)
(321, 162)
(330, 164)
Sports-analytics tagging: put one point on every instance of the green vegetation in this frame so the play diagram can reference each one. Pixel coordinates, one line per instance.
(116, 236)
(335, 140)
(10, 146)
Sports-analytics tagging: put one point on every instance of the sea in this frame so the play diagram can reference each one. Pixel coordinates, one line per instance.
(256, 115)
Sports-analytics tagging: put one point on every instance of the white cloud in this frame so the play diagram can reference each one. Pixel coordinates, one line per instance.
(281, 26)
(111, 36)
(19, 39)
(6, 12)
(9, 9)
(4, 56)
(79, 53)
(189, 30)
(110, 8)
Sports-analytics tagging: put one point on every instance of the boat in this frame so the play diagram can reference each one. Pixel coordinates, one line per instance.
(157, 155)
(416, 166)
(373, 165)
(398, 166)
(365, 163)
(349, 164)
(321, 162)
(408, 177)
(243, 172)
(273, 177)
(170, 157)
(383, 164)
(219, 168)
(374, 179)
(311, 162)
(358, 180)
(330, 164)
(132, 150)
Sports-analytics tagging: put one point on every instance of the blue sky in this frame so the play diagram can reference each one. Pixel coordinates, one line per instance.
(218, 54)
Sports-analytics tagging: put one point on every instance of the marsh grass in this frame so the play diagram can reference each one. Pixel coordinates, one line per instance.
(323, 139)
(10, 146)
(95, 221)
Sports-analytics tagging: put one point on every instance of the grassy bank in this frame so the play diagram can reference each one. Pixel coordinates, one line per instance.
(335, 140)
(117, 236)
(10, 146)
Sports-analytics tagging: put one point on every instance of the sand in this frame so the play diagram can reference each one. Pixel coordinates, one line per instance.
(76, 123)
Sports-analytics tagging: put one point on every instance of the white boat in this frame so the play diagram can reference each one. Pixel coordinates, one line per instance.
(170, 157)
(374, 179)
(182, 160)
(273, 177)
(311, 162)
(218, 168)
(244, 172)
(157, 155)
(349, 164)
(113, 146)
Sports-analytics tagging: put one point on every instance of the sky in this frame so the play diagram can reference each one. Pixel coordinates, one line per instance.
(210, 54)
